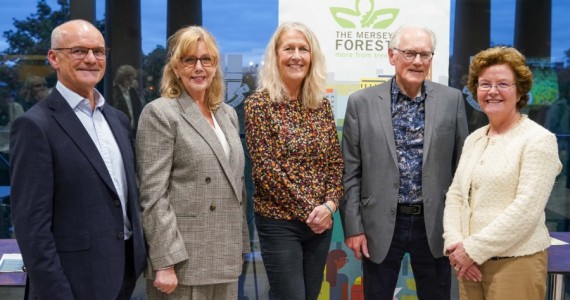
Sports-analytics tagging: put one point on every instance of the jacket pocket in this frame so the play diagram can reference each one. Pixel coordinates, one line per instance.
(364, 201)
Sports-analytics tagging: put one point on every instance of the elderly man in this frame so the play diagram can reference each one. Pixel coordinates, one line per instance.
(401, 143)
(74, 195)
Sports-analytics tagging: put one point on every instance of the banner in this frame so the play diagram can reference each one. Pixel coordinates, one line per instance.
(354, 36)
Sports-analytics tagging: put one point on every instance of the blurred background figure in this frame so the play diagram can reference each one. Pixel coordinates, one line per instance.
(125, 96)
(558, 122)
(9, 111)
(33, 90)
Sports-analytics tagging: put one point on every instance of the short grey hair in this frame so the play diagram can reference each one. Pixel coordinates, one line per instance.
(395, 41)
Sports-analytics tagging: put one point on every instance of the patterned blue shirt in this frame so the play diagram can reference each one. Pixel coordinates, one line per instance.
(408, 120)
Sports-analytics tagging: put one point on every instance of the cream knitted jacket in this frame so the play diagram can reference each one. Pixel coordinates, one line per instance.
(495, 204)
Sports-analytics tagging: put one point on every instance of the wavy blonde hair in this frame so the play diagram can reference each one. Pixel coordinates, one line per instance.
(180, 44)
(314, 84)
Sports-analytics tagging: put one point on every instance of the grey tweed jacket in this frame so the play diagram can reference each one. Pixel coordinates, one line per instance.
(371, 175)
(192, 195)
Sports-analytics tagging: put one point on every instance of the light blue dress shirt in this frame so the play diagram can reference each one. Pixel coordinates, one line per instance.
(103, 138)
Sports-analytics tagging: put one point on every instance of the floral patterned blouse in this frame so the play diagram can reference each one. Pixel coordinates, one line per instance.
(297, 164)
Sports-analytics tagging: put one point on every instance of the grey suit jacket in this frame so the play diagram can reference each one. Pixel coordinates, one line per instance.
(192, 195)
(371, 177)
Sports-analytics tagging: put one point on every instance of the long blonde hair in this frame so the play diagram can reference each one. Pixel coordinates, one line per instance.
(314, 84)
(181, 43)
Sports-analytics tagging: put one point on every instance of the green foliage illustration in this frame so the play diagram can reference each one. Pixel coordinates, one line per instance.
(365, 15)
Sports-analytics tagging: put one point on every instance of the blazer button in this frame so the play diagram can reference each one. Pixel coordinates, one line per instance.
(396, 185)
(392, 211)
(242, 179)
(240, 203)
(208, 179)
(212, 207)
(117, 203)
(121, 235)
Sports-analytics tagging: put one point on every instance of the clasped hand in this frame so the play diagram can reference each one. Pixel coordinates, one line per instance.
(463, 264)
(320, 219)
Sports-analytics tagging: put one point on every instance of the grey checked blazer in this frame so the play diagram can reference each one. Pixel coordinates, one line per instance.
(371, 175)
(192, 195)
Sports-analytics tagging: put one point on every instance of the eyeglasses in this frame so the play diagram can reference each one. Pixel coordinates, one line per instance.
(503, 86)
(81, 52)
(411, 54)
(191, 61)
(37, 85)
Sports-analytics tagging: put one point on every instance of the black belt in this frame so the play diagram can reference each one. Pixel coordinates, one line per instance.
(500, 257)
(411, 209)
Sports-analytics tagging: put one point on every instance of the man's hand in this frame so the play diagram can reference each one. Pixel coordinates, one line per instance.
(358, 244)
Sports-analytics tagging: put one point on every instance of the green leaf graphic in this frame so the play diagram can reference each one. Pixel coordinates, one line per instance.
(386, 16)
(338, 12)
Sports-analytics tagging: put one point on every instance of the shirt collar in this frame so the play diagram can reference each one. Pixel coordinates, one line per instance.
(75, 99)
(396, 92)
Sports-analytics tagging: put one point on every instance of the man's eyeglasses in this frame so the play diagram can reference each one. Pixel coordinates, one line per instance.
(37, 85)
(81, 52)
(411, 54)
(486, 86)
(191, 61)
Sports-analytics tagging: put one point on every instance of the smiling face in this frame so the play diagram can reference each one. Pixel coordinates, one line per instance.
(410, 74)
(498, 103)
(197, 78)
(79, 75)
(294, 56)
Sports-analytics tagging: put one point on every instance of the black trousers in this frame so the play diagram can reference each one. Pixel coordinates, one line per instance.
(129, 279)
(432, 275)
(294, 258)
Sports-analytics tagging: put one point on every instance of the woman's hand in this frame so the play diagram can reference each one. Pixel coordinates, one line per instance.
(320, 219)
(462, 263)
(470, 273)
(166, 280)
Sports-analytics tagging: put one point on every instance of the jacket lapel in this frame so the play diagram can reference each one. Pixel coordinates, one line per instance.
(431, 109)
(191, 113)
(66, 118)
(385, 114)
(233, 140)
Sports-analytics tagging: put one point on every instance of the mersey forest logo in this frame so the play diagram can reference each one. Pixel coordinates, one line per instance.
(364, 15)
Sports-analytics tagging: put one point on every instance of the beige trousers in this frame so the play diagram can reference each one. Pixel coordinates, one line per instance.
(509, 278)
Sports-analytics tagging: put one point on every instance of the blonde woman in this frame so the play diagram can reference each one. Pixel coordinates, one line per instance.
(190, 163)
(297, 166)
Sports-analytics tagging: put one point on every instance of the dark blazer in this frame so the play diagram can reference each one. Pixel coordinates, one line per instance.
(118, 101)
(67, 215)
(372, 178)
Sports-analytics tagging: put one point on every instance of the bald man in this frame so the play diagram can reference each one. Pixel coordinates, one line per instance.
(74, 196)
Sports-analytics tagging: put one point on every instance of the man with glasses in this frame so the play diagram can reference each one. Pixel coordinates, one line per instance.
(74, 195)
(401, 142)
